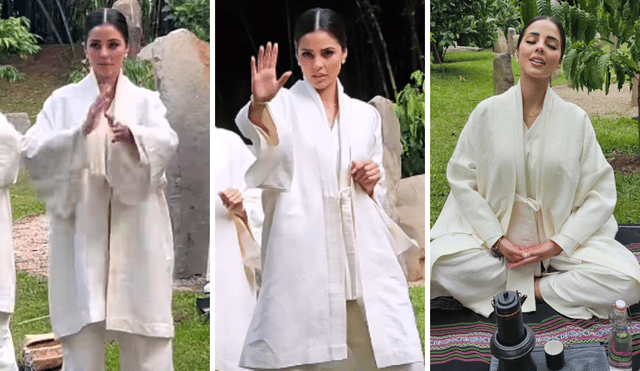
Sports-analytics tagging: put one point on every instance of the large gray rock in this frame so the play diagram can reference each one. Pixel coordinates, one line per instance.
(133, 13)
(20, 121)
(500, 45)
(391, 151)
(410, 204)
(181, 64)
(502, 73)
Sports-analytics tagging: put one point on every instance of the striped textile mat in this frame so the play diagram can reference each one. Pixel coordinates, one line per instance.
(459, 338)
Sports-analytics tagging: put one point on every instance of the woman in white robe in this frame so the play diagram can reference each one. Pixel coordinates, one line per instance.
(532, 200)
(9, 165)
(237, 255)
(97, 154)
(333, 294)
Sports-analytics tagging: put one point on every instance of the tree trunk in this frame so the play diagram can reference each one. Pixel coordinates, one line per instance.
(66, 26)
(375, 51)
(53, 25)
(410, 12)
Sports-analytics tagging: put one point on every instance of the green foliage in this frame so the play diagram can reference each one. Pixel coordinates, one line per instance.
(192, 15)
(10, 74)
(409, 109)
(416, 294)
(587, 63)
(140, 72)
(16, 38)
(467, 22)
(505, 13)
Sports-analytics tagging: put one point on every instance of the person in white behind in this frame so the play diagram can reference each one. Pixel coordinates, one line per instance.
(10, 143)
(237, 252)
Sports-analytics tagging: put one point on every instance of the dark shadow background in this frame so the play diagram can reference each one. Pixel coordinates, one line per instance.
(243, 25)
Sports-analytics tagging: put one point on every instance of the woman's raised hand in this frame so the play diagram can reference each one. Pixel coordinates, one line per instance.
(264, 82)
(102, 102)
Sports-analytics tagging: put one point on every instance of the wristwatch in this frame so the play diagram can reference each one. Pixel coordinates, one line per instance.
(494, 247)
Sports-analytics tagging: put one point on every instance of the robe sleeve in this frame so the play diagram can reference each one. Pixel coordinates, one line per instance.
(134, 177)
(54, 155)
(9, 153)
(462, 175)
(380, 189)
(243, 158)
(595, 197)
(273, 168)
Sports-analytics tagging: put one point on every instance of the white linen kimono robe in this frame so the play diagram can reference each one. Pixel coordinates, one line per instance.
(575, 196)
(311, 212)
(9, 165)
(110, 238)
(236, 286)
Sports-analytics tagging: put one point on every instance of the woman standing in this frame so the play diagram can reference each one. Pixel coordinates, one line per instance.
(9, 164)
(532, 198)
(97, 153)
(333, 293)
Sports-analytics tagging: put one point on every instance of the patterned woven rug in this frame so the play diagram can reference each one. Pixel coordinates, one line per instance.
(459, 338)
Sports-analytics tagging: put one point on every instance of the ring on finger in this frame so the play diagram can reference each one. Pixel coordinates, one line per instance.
(526, 255)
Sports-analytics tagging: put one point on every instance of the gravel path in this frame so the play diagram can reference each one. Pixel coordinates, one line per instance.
(32, 251)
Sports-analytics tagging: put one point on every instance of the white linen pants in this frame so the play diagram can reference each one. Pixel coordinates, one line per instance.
(360, 357)
(85, 350)
(7, 354)
(574, 288)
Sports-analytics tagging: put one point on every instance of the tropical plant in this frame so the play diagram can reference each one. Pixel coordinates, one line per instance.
(192, 15)
(10, 74)
(410, 111)
(595, 62)
(466, 22)
(15, 38)
(506, 15)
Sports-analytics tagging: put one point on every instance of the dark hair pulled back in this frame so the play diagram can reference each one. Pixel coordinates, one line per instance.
(563, 38)
(110, 16)
(320, 19)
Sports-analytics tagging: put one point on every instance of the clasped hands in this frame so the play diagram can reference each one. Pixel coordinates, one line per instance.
(517, 256)
(121, 132)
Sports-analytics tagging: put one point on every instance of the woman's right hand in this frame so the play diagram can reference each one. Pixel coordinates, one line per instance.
(514, 254)
(264, 84)
(101, 104)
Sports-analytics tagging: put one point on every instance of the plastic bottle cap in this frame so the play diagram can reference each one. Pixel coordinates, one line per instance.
(621, 305)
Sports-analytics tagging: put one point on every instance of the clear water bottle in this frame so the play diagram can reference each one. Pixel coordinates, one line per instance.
(620, 341)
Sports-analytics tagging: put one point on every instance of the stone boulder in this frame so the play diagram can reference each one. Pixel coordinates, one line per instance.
(411, 208)
(502, 73)
(20, 121)
(512, 40)
(181, 65)
(391, 151)
(500, 46)
(133, 13)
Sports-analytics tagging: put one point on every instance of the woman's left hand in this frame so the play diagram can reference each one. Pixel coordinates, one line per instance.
(536, 253)
(121, 132)
(366, 174)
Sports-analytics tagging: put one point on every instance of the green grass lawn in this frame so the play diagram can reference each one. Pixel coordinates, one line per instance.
(191, 350)
(416, 294)
(466, 79)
